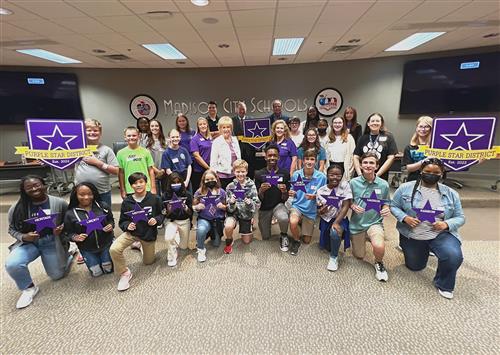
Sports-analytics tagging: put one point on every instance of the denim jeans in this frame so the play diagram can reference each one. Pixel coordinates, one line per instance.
(334, 243)
(203, 227)
(447, 249)
(97, 258)
(106, 197)
(18, 260)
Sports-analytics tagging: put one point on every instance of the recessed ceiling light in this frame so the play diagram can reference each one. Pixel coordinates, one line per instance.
(180, 62)
(210, 20)
(287, 46)
(199, 2)
(4, 11)
(159, 15)
(165, 50)
(413, 41)
(53, 57)
(282, 58)
(98, 50)
(223, 45)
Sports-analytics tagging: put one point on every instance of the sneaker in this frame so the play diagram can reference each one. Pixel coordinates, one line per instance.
(228, 249)
(202, 255)
(432, 254)
(73, 248)
(333, 264)
(294, 248)
(124, 284)
(380, 272)
(136, 246)
(445, 294)
(398, 248)
(284, 242)
(172, 257)
(27, 297)
(79, 259)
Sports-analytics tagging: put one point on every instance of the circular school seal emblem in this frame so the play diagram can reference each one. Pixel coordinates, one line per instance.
(143, 106)
(328, 102)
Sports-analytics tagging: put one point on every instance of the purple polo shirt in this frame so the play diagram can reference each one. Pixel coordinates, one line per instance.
(288, 149)
(203, 146)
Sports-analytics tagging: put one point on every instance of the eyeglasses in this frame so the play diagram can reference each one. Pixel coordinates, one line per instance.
(424, 127)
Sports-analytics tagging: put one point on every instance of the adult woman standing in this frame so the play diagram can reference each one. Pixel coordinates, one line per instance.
(156, 144)
(182, 125)
(378, 140)
(412, 158)
(296, 134)
(311, 141)
(200, 148)
(351, 122)
(30, 244)
(312, 119)
(287, 149)
(340, 147)
(437, 232)
(225, 150)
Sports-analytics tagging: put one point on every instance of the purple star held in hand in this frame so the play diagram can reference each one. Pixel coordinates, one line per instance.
(299, 184)
(239, 192)
(274, 180)
(93, 222)
(373, 203)
(137, 214)
(427, 213)
(332, 199)
(42, 220)
(175, 203)
(209, 199)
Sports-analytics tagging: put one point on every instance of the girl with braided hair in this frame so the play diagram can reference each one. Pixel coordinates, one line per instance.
(429, 214)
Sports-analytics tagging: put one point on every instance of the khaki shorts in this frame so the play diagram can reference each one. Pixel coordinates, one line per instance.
(375, 234)
(307, 224)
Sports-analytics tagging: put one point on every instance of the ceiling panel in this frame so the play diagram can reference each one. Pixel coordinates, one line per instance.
(187, 6)
(7, 29)
(145, 37)
(298, 16)
(78, 41)
(53, 9)
(19, 13)
(473, 11)
(84, 25)
(251, 4)
(254, 33)
(430, 11)
(125, 24)
(42, 27)
(198, 19)
(251, 18)
(98, 8)
(143, 6)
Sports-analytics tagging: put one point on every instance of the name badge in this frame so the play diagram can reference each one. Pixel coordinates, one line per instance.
(202, 139)
(382, 139)
(313, 187)
(378, 191)
(175, 160)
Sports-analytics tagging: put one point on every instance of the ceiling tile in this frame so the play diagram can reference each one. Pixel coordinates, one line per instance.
(251, 33)
(14, 31)
(125, 24)
(251, 4)
(42, 27)
(197, 19)
(19, 13)
(430, 11)
(298, 16)
(78, 41)
(145, 37)
(214, 5)
(84, 25)
(53, 9)
(252, 18)
(143, 6)
(472, 11)
(101, 8)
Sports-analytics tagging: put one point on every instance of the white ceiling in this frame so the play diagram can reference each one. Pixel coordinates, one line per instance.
(75, 28)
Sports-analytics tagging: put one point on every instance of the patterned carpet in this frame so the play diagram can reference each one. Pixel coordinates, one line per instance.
(259, 300)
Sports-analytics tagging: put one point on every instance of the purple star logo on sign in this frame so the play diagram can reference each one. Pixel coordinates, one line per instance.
(464, 133)
(332, 199)
(137, 214)
(48, 134)
(373, 202)
(257, 127)
(427, 213)
(93, 222)
(43, 220)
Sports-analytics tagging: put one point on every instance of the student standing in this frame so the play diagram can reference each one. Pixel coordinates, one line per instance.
(177, 158)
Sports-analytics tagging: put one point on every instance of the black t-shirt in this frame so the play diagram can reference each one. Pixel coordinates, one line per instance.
(382, 145)
(273, 196)
(411, 156)
(213, 124)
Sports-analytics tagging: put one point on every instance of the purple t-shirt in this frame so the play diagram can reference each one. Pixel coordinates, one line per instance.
(288, 149)
(185, 139)
(203, 146)
(211, 212)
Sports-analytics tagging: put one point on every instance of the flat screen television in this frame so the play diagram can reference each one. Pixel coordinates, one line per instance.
(38, 95)
(469, 83)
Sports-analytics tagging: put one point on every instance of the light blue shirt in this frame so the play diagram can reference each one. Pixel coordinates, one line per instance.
(308, 207)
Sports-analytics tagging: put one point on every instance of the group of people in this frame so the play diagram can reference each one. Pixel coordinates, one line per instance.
(212, 181)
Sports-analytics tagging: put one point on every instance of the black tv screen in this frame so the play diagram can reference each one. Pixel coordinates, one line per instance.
(38, 95)
(469, 83)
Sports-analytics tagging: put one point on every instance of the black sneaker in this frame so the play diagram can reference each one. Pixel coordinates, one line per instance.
(284, 242)
(294, 248)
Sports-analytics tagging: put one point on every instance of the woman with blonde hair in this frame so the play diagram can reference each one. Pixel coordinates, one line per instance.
(200, 148)
(225, 151)
(287, 150)
(340, 147)
(412, 158)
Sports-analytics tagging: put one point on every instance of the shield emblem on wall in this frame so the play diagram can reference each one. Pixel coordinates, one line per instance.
(54, 135)
(462, 133)
(256, 131)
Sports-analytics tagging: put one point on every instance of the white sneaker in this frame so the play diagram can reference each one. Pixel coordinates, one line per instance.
(136, 246)
(202, 255)
(73, 248)
(380, 272)
(124, 284)
(333, 264)
(445, 294)
(27, 297)
(172, 257)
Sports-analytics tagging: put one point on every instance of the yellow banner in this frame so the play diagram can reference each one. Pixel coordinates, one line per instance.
(56, 154)
(460, 154)
(254, 139)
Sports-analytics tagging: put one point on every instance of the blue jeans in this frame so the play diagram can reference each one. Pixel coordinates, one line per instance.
(106, 197)
(203, 227)
(18, 260)
(447, 249)
(334, 243)
(329, 238)
(97, 258)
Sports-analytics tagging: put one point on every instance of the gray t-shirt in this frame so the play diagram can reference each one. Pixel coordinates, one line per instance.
(424, 231)
(90, 173)
(157, 152)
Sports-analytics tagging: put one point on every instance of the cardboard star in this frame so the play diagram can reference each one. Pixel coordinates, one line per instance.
(239, 192)
(93, 222)
(332, 199)
(273, 179)
(175, 203)
(427, 213)
(42, 220)
(299, 184)
(209, 199)
(373, 203)
(137, 214)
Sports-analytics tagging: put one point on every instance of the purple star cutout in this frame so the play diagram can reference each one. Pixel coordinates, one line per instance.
(300, 184)
(57, 140)
(373, 203)
(93, 222)
(42, 220)
(332, 199)
(258, 129)
(137, 214)
(175, 203)
(210, 201)
(461, 139)
(273, 179)
(239, 192)
(427, 213)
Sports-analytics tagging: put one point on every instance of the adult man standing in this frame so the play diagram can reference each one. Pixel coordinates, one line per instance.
(247, 150)
(277, 112)
(213, 119)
